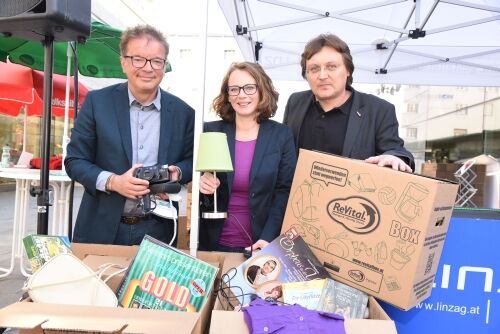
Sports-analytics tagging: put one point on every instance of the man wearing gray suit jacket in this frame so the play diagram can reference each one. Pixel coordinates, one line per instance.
(121, 128)
(333, 117)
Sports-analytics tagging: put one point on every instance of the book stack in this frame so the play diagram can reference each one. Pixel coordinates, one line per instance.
(162, 277)
(286, 259)
(327, 295)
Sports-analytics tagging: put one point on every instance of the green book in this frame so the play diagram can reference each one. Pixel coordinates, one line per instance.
(40, 248)
(162, 277)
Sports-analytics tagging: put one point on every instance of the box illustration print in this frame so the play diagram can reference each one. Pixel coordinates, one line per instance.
(376, 229)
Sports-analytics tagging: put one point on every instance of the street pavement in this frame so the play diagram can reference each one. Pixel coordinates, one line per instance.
(10, 286)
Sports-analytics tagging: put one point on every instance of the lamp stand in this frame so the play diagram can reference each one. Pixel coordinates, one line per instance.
(214, 214)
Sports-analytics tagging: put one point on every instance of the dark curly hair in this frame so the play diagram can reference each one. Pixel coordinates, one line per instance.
(266, 108)
(316, 44)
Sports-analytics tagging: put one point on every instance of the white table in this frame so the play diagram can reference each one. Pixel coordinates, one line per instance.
(60, 184)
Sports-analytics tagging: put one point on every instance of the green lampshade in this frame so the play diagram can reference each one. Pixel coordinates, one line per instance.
(213, 153)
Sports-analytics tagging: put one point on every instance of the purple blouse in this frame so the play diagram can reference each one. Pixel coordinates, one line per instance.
(234, 234)
(262, 317)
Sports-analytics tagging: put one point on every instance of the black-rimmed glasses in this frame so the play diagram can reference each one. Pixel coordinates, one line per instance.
(248, 89)
(140, 62)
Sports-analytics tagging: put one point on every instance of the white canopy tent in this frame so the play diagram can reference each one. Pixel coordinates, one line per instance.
(441, 42)
(418, 42)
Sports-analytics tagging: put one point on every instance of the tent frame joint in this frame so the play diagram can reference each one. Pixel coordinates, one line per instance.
(416, 33)
(381, 71)
(381, 46)
(241, 30)
(258, 47)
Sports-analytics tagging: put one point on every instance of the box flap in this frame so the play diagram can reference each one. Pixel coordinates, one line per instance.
(102, 319)
(361, 326)
(233, 322)
(376, 311)
(95, 261)
(227, 322)
(82, 250)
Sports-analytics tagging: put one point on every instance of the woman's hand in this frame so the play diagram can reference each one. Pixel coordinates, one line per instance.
(208, 183)
(258, 245)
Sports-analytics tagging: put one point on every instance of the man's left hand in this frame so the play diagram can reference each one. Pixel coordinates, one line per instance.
(389, 161)
(175, 175)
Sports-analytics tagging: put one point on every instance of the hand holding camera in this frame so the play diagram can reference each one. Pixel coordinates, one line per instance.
(158, 177)
(142, 182)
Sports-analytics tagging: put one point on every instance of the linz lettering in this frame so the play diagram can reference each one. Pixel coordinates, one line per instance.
(404, 233)
(462, 274)
(349, 211)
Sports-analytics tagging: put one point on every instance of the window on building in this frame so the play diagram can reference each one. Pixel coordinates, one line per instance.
(411, 133)
(459, 132)
(461, 109)
(185, 53)
(412, 107)
(229, 55)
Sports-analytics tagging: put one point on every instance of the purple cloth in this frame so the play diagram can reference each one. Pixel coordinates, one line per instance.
(234, 235)
(262, 317)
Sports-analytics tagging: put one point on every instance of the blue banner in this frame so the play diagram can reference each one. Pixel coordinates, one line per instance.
(466, 294)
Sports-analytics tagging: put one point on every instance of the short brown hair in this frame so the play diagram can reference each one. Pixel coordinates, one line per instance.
(142, 31)
(266, 108)
(329, 40)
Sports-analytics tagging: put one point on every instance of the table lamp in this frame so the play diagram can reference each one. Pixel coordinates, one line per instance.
(213, 156)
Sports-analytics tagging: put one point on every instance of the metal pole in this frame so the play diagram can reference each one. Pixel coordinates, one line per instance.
(75, 113)
(43, 193)
(198, 128)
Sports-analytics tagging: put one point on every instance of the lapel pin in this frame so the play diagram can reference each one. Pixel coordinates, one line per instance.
(359, 114)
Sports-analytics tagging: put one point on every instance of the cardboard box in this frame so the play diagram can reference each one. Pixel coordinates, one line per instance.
(183, 229)
(232, 322)
(37, 318)
(376, 229)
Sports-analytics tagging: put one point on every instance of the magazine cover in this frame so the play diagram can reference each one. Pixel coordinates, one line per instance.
(40, 248)
(162, 277)
(343, 299)
(286, 259)
(305, 294)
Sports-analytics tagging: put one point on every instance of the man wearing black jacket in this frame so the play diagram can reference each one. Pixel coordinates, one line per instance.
(335, 118)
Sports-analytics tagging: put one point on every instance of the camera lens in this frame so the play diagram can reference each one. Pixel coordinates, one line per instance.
(147, 174)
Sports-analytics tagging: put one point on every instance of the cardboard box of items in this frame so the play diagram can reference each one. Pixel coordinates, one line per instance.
(376, 229)
(225, 321)
(35, 318)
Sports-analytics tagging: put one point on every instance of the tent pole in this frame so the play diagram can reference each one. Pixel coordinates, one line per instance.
(198, 128)
(25, 127)
(75, 113)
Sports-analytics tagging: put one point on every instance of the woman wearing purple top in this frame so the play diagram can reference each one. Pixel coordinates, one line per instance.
(263, 153)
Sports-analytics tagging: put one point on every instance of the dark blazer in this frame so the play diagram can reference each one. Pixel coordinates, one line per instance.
(101, 141)
(271, 177)
(372, 127)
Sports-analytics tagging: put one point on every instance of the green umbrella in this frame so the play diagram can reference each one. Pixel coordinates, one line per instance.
(99, 57)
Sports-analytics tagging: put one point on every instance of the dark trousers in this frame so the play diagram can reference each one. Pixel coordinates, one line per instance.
(157, 227)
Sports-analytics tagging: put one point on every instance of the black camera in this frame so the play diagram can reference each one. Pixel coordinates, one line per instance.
(154, 174)
(158, 177)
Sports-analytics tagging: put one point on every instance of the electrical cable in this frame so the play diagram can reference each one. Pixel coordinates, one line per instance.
(247, 254)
